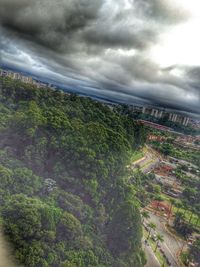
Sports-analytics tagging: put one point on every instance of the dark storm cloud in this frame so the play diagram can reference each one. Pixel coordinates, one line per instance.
(193, 73)
(99, 47)
(49, 23)
(165, 11)
(56, 24)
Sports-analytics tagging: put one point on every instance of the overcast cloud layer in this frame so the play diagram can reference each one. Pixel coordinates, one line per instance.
(103, 48)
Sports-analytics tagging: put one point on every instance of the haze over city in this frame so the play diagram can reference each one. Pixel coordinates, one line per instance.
(131, 51)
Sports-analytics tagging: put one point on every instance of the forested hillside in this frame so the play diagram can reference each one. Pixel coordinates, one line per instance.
(63, 166)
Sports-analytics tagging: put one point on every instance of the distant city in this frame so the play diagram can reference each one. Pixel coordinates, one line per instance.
(158, 113)
(164, 114)
(25, 79)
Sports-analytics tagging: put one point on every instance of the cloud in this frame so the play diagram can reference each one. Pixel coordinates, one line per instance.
(193, 73)
(49, 23)
(165, 11)
(98, 48)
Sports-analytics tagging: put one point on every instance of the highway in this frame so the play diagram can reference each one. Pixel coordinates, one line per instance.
(152, 260)
(171, 245)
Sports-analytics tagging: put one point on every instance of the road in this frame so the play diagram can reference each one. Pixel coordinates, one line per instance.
(150, 161)
(184, 162)
(171, 245)
(152, 261)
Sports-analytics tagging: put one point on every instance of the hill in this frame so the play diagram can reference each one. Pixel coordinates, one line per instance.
(64, 196)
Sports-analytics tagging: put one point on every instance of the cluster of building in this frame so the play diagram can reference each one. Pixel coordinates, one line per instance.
(188, 141)
(158, 138)
(195, 123)
(165, 176)
(162, 114)
(179, 118)
(24, 79)
(16, 76)
(190, 138)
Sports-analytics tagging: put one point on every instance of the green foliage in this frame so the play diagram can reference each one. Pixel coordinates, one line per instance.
(182, 227)
(30, 226)
(63, 163)
(125, 223)
(194, 251)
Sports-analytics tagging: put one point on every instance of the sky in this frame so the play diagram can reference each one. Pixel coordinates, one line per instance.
(129, 51)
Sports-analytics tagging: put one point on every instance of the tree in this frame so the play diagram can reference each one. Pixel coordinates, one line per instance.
(190, 194)
(35, 227)
(6, 176)
(181, 226)
(28, 119)
(184, 206)
(123, 234)
(159, 238)
(152, 226)
(197, 211)
(178, 205)
(145, 215)
(156, 188)
(178, 218)
(68, 228)
(192, 210)
(67, 156)
(172, 201)
(27, 220)
(195, 251)
(56, 119)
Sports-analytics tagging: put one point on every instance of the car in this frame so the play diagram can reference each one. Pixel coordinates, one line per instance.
(162, 251)
(168, 262)
(154, 237)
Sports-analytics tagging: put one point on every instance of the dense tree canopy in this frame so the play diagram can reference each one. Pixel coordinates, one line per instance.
(63, 164)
